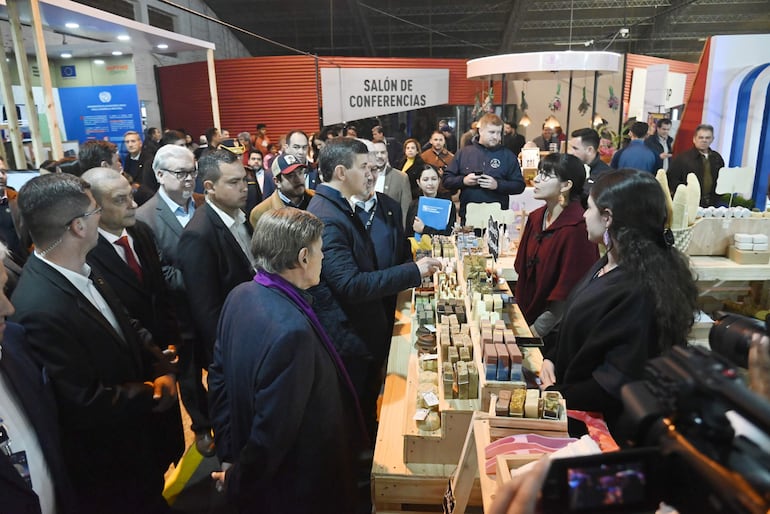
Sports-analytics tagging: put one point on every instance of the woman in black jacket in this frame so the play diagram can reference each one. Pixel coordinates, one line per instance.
(412, 164)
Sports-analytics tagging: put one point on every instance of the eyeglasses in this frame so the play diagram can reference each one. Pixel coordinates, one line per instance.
(543, 175)
(86, 214)
(182, 174)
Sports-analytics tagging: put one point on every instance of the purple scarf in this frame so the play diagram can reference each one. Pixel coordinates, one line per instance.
(274, 281)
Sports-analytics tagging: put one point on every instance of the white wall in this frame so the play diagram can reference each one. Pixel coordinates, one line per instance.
(540, 92)
(227, 47)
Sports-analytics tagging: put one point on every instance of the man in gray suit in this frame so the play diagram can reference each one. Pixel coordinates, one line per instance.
(391, 181)
(167, 213)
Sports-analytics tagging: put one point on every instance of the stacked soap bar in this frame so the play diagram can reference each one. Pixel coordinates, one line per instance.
(459, 374)
(751, 242)
(520, 402)
(501, 355)
(447, 307)
(487, 307)
(443, 246)
(424, 310)
(447, 285)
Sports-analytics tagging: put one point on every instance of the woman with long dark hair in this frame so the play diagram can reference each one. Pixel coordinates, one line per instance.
(636, 302)
(554, 253)
(429, 182)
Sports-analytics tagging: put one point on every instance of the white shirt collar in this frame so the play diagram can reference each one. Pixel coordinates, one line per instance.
(173, 205)
(228, 220)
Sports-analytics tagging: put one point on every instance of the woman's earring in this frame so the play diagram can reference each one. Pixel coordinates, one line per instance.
(606, 238)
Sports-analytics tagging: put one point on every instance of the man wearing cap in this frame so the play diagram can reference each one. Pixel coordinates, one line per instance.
(290, 190)
(296, 145)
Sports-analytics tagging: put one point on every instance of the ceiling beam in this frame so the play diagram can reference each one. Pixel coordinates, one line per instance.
(362, 27)
(512, 25)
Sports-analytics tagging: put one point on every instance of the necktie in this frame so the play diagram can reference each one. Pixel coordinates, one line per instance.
(130, 258)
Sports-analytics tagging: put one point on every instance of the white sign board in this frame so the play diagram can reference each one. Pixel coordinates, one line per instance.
(356, 93)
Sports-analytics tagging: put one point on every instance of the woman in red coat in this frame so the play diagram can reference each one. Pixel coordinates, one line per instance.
(554, 252)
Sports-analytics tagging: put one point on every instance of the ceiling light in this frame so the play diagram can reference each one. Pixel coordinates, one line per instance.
(72, 25)
(66, 55)
(123, 37)
(98, 61)
(117, 52)
(552, 122)
(598, 120)
(163, 46)
(525, 121)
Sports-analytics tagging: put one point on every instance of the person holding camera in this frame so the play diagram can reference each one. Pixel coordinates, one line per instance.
(634, 303)
(484, 171)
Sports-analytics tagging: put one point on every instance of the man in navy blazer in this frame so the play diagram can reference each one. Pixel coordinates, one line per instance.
(110, 387)
(214, 250)
(24, 385)
(350, 268)
(167, 213)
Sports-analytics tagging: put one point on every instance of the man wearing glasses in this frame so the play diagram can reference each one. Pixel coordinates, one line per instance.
(290, 191)
(167, 213)
(109, 387)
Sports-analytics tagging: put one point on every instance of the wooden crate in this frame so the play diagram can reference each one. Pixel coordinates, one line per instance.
(491, 428)
(712, 236)
(748, 256)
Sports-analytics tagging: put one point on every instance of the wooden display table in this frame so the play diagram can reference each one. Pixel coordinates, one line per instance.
(397, 486)
(401, 486)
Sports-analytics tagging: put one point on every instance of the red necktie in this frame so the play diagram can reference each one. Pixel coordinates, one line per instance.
(130, 259)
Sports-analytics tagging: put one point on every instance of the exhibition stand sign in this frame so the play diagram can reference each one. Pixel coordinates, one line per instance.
(100, 112)
(357, 93)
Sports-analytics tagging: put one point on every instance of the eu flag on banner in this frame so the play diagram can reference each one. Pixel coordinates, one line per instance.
(68, 71)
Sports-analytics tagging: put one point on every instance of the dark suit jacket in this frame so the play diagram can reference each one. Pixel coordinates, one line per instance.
(149, 303)
(167, 231)
(106, 432)
(28, 385)
(691, 161)
(212, 264)
(351, 271)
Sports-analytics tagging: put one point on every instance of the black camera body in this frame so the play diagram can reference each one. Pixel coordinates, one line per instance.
(680, 421)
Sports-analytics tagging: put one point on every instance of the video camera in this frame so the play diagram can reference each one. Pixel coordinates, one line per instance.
(702, 438)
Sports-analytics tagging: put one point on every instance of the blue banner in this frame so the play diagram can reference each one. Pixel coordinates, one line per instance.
(100, 112)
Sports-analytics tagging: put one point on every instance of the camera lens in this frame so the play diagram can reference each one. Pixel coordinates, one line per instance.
(731, 334)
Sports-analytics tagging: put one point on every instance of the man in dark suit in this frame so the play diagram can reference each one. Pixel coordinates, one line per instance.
(381, 216)
(127, 257)
(109, 385)
(350, 268)
(167, 213)
(29, 421)
(214, 248)
(661, 143)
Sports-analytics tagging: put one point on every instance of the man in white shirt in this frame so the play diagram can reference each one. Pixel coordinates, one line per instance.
(110, 387)
(213, 251)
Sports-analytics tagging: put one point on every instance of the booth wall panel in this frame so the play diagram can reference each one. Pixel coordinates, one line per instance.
(279, 91)
(642, 61)
(184, 97)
